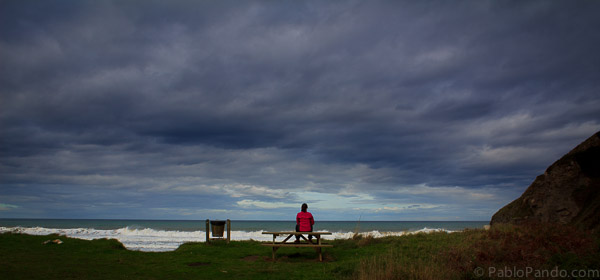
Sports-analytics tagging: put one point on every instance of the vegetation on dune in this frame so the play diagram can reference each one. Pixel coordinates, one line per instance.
(419, 256)
(529, 247)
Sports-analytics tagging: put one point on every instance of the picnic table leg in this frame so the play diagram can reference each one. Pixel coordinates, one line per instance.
(318, 250)
(320, 255)
(274, 248)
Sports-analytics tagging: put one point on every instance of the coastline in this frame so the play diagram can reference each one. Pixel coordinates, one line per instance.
(151, 240)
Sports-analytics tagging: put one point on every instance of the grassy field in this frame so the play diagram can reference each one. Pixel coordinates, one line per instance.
(420, 256)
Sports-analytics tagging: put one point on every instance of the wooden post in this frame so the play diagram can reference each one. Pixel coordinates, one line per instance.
(228, 230)
(207, 231)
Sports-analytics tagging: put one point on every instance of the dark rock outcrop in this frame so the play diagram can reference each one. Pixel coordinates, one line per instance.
(567, 193)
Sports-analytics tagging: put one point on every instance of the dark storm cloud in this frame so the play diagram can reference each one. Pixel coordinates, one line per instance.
(266, 99)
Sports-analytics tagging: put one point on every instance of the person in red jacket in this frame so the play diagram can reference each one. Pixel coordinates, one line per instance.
(304, 222)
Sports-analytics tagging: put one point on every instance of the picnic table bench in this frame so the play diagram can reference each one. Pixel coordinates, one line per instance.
(309, 243)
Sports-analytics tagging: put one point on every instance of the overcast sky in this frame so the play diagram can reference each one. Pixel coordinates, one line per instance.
(371, 110)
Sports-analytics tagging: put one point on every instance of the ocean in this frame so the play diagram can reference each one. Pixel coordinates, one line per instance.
(167, 235)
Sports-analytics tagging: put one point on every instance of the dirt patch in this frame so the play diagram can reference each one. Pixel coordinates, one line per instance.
(255, 258)
(251, 258)
(198, 264)
(301, 257)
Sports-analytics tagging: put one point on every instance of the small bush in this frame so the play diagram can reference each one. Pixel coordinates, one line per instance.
(368, 240)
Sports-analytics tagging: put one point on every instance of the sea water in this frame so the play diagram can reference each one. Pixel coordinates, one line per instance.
(168, 235)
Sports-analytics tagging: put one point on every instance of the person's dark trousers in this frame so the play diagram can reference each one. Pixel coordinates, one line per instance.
(298, 230)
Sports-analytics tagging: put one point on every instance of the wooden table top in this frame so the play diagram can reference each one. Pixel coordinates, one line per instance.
(298, 232)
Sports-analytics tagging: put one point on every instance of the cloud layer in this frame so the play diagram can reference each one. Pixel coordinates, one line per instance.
(393, 110)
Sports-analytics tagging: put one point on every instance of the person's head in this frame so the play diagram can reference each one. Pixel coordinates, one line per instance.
(304, 207)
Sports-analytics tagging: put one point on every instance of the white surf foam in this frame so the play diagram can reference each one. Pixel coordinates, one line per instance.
(150, 240)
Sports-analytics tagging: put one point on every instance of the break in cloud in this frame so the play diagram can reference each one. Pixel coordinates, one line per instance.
(386, 110)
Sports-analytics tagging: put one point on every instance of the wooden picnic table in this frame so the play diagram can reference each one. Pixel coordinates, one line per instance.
(308, 243)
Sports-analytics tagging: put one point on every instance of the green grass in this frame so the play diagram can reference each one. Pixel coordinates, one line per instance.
(418, 256)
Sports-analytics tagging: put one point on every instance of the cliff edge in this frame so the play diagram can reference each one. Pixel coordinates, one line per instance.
(567, 193)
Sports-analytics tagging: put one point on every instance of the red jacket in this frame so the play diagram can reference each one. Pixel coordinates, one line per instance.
(305, 220)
